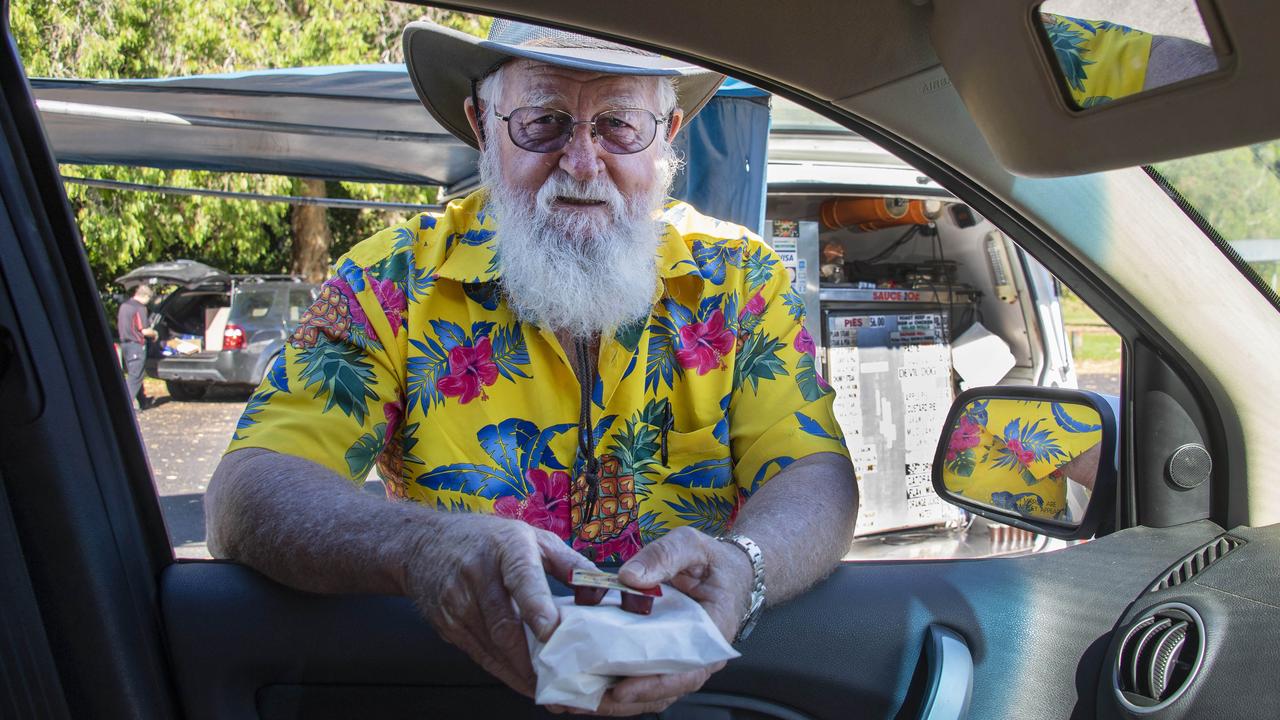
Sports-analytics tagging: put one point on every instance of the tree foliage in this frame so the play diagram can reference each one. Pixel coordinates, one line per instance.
(1237, 191)
(117, 39)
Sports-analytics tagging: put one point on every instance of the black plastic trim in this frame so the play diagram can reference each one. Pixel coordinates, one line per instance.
(1144, 625)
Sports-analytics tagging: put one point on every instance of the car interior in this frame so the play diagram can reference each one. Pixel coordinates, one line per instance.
(1169, 610)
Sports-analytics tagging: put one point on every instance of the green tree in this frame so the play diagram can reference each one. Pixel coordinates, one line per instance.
(1237, 191)
(116, 39)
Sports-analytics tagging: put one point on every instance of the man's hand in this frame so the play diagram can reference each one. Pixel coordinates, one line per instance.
(479, 578)
(715, 574)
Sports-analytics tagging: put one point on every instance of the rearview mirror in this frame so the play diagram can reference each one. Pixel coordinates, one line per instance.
(1042, 459)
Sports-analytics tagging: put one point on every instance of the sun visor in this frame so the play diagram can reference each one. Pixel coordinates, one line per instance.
(1056, 92)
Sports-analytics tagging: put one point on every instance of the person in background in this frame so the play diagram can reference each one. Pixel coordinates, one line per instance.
(134, 329)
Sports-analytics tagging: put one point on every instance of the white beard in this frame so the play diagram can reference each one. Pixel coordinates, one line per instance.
(574, 272)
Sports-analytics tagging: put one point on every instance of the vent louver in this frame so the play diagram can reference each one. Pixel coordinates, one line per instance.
(1159, 657)
(1196, 562)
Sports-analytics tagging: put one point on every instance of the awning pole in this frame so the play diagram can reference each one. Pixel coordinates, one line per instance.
(232, 195)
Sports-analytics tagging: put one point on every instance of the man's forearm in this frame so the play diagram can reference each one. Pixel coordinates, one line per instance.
(303, 525)
(803, 521)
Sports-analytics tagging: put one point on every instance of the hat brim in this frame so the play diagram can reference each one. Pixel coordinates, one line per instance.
(443, 62)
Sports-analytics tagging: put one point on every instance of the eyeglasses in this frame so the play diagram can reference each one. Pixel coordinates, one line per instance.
(544, 130)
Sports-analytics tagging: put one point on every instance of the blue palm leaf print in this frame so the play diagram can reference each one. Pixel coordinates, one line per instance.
(418, 284)
(405, 239)
(760, 264)
(714, 258)
(255, 405)
(661, 365)
(813, 427)
(510, 351)
(1068, 43)
(352, 273)
(278, 377)
(451, 335)
(504, 441)
(472, 479)
(794, 304)
(706, 475)
(1070, 424)
(710, 514)
(423, 372)
(651, 528)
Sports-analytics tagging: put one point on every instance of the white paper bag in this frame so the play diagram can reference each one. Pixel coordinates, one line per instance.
(595, 645)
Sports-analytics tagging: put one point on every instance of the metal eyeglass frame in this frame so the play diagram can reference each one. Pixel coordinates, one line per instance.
(575, 122)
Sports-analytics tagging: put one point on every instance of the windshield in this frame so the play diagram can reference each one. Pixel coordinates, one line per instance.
(1237, 193)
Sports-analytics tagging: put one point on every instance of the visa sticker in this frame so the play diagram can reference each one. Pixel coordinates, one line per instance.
(609, 581)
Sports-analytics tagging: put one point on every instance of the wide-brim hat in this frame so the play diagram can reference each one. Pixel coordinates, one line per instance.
(443, 63)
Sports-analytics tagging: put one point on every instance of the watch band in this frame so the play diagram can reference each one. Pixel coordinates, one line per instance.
(748, 546)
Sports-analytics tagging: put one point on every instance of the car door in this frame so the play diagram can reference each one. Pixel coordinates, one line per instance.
(115, 627)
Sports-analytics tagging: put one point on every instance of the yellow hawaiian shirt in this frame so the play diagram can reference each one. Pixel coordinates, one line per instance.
(1100, 60)
(411, 361)
(1009, 454)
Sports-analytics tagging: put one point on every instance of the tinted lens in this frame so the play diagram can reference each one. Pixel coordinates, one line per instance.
(623, 132)
(539, 129)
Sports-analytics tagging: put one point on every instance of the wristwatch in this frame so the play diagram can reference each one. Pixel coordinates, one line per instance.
(746, 545)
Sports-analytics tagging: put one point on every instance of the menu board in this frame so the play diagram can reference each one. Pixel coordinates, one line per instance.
(892, 376)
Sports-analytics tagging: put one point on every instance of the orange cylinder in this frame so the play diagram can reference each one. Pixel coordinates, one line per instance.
(877, 212)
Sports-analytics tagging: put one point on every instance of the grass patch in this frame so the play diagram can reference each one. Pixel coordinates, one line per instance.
(1075, 312)
(1098, 347)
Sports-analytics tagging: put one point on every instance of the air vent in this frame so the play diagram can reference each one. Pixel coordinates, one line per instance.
(1159, 657)
(1193, 564)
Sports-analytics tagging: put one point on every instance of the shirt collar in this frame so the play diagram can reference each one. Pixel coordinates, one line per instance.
(470, 251)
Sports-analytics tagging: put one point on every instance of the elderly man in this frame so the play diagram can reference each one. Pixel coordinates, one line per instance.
(559, 369)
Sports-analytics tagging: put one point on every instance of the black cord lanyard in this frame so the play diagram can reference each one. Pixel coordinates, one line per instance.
(586, 371)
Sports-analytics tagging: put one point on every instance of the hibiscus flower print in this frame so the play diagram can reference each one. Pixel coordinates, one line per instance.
(703, 345)
(754, 306)
(965, 436)
(547, 507)
(804, 343)
(471, 369)
(393, 302)
(1024, 456)
(394, 414)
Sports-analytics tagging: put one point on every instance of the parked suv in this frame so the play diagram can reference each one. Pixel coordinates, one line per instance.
(215, 328)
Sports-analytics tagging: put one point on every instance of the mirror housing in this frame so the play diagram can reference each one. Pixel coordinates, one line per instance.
(1107, 431)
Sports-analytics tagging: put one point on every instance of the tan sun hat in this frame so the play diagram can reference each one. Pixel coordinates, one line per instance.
(443, 63)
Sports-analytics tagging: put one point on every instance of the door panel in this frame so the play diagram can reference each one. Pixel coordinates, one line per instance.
(1037, 627)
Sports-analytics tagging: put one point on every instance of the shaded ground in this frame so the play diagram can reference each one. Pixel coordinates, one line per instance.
(184, 442)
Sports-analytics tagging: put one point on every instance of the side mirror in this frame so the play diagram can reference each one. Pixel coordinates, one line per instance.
(1041, 459)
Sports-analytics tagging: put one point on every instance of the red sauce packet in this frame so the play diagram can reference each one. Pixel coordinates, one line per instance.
(609, 581)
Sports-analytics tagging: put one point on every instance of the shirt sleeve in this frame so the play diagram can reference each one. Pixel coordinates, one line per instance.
(333, 395)
(781, 408)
